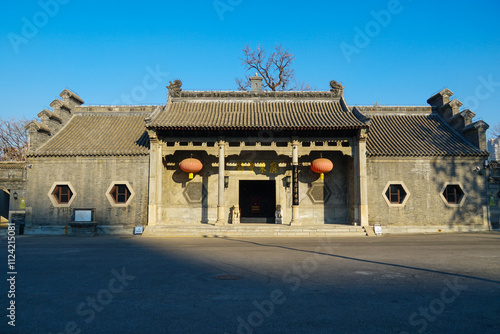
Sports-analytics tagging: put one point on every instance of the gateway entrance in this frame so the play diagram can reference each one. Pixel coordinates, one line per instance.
(257, 201)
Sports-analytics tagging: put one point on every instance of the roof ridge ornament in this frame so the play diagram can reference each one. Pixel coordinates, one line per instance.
(174, 88)
(256, 83)
(336, 88)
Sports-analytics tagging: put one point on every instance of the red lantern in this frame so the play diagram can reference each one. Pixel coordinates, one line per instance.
(191, 165)
(322, 166)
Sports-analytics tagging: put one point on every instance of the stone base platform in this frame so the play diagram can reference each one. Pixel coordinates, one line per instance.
(253, 230)
(432, 229)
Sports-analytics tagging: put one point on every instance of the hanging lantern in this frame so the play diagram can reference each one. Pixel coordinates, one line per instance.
(191, 166)
(321, 166)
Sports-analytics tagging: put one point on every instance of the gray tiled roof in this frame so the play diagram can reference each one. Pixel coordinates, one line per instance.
(91, 135)
(248, 114)
(121, 133)
(416, 135)
(12, 164)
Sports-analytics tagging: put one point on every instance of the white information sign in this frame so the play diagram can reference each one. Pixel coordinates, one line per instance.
(83, 215)
(138, 230)
(378, 229)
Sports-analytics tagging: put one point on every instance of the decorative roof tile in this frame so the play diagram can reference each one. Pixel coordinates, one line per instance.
(416, 135)
(255, 114)
(13, 164)
(94, 135)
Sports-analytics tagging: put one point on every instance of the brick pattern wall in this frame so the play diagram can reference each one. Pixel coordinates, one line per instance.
(90, 177)
(425, 180)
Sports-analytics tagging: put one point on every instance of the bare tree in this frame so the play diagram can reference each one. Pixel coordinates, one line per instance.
(276, 70)
(13, 139)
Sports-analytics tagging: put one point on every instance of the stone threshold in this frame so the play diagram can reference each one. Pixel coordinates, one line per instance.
(253, 230)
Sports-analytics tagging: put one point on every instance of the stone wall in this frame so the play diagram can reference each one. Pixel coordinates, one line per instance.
(186, 201)
(335, 188)
(425, 180)
(91, 179)
(12, 175)
(195, 201)
(13, 180)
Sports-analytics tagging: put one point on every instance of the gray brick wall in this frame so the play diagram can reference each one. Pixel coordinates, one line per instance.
(91, 178)
(425, 180)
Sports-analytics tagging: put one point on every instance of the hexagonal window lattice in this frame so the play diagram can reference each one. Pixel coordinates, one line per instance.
(62, 194)
(319, 193)
(396, 194)
(453, 194)
(120, 193)
(194, 192)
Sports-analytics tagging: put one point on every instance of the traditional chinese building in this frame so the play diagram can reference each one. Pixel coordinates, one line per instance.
(224, 160)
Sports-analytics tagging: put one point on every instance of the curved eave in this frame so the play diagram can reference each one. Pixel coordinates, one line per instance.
(86, 154)
(416, 155)
(226, 128)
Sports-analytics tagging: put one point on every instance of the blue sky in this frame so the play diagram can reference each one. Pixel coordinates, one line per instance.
(120, 52)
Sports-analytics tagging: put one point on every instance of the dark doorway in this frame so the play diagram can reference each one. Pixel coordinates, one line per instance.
(4, 205)
(257, 201)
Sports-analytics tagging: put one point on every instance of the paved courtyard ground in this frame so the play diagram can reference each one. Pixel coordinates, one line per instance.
(389, 284)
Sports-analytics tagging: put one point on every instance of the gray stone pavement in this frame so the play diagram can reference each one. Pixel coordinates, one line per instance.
(389, 284)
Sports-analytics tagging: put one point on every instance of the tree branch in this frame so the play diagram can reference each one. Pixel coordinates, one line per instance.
(275, 70)
(13, 139)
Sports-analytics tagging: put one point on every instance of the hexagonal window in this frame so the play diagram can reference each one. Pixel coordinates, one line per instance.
(120, 193)
(61, 194)
(453, 194)
(396, 194)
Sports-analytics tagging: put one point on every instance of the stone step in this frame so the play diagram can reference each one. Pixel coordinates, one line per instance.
(253, 230)
(432, 229)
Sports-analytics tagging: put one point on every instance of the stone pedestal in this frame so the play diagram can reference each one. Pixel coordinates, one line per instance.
(80, 229)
